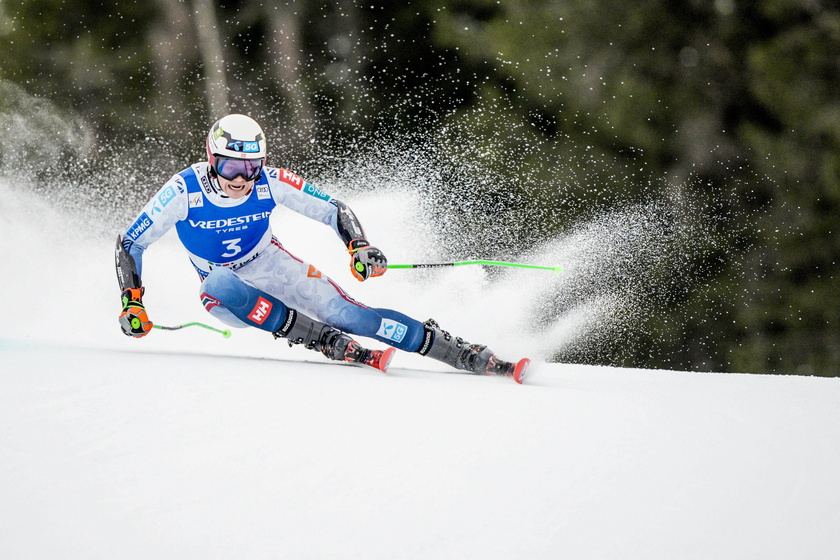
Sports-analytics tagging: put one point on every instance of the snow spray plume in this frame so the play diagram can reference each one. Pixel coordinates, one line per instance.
(35, 130)
(625, 264)
(622, 268)
(37, 139)
(53, 153)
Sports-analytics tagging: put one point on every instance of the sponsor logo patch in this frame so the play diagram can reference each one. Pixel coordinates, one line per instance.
(312, 190)
(163, 198)
(166, 196)
(138, 227)
(205, 184)
(197, 200)
(241, 146)
(392, 330)
(230, 222)
(313, 272)
(289, 177)
(260, 311)
(263, 192)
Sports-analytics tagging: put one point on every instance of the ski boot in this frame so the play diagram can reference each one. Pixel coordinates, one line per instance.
(473, 358)
(332, 343)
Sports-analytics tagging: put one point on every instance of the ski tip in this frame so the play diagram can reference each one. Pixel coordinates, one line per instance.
(520, 369)
(385, 359)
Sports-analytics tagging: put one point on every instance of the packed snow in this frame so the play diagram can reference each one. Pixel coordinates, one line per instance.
(188, 445)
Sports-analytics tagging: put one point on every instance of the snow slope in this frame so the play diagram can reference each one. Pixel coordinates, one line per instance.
(188, 445)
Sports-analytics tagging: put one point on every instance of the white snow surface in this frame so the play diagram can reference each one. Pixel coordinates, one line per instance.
(187, 445)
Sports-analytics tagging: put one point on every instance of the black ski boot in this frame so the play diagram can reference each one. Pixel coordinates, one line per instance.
(473, 358)
(332, 343)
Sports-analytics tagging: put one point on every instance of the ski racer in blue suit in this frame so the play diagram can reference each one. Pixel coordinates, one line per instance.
(221, 208)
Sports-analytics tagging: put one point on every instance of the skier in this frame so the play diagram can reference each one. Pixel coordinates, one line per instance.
(220, 209)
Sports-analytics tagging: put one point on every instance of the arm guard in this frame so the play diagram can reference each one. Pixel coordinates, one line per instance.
(349, 227)
(365, 261)
(126, 268)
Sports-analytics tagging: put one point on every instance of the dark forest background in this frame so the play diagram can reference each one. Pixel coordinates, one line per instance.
(578, 106)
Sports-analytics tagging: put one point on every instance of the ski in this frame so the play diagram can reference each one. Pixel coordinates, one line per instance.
(497, 366)
(379, 359)
(520, 369)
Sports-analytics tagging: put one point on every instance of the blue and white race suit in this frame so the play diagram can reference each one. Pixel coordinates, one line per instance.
(226, 236)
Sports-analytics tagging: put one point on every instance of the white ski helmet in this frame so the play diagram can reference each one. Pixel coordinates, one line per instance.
(236, 136)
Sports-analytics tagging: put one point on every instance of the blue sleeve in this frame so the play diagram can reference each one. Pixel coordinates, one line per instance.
(136, 251)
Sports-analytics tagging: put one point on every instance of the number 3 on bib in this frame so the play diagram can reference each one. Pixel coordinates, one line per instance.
(233, 247)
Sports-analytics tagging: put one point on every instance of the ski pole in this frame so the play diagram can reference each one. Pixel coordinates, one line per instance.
(555, 269)
(224, 333)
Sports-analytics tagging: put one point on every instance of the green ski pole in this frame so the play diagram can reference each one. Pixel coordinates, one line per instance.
(224, 333)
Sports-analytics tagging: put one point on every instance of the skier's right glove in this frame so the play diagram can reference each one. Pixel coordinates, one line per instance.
(133, 320)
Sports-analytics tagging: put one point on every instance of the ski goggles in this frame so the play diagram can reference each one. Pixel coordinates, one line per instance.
(231, 168)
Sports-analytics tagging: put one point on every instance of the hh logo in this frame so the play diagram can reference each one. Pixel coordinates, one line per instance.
(313, 272)
(291, 178)
(260, 312)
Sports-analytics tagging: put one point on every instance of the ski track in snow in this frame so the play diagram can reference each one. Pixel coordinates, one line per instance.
(188, 445)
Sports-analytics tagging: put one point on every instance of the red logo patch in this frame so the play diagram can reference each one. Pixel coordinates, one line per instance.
(261, 311)
(289, 177)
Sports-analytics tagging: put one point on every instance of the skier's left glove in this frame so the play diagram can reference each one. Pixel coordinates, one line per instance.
(366, 261)
(133, 320)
